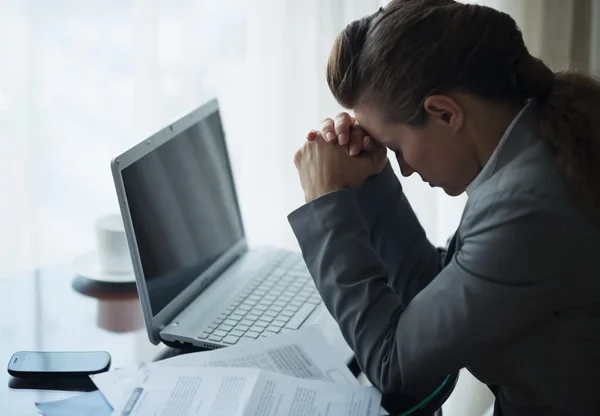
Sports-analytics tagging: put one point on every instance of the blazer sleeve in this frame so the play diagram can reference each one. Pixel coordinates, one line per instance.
(397, 236)
(505, 278)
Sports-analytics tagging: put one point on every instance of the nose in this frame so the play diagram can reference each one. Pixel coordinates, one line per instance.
(405, 168)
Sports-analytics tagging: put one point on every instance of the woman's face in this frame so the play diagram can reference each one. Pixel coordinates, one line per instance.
(438, 151)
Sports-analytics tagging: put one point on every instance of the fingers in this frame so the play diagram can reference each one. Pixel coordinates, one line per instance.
(342, 124)
(367, 144)
(337, 128)
(355, 145)
(312, 135)
(328, 130)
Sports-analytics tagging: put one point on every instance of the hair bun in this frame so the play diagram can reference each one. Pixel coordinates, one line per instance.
(356, 35)
(343, 60)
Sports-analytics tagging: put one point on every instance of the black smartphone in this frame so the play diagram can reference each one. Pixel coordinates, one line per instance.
(40, 364)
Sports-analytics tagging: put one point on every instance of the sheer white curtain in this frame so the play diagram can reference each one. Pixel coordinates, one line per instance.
(82, 81)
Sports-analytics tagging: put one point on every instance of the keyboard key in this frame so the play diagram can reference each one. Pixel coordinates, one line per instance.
(260, 324)
(286, 298)
(290, 307)
(277, 308)
(256, 328)
(270, 313)
(269, 331)
(280, 321)
(230, 339)
(296, 303)
(230, 322)
(224, 327)
(266, 319)
(242, 328)
(280, 303)
(236, 333)
(256, 311)
(261, 307)
(215, 338)
(235, 318)
(286, 313)
(299, 318)
(248, 322)
(220, 333)
(274, 327)
(253, 315)
(252, 334)
(244, 307)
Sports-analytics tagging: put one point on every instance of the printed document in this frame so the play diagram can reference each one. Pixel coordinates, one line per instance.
(303, 353)
(210, 391)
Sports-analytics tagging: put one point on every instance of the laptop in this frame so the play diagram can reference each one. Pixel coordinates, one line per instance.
(199, 283)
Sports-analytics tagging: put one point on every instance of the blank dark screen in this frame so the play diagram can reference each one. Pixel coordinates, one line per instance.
(64, 361)
(183, 207)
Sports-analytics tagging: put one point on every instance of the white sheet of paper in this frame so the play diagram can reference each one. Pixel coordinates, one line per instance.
(278, 394)
(303, 353)
(206, 391)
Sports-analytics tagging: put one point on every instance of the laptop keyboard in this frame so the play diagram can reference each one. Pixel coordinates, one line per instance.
(279, 299)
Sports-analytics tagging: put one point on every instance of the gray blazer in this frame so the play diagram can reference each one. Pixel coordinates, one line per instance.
(516, 299)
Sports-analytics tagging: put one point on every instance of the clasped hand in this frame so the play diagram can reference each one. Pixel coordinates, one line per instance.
(339, 156)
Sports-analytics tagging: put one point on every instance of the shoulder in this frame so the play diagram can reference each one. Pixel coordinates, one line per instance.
(529, 184)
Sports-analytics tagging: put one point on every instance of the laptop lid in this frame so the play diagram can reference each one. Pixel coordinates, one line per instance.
(182, 220)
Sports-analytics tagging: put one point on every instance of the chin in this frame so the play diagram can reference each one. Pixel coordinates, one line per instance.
(452, 191)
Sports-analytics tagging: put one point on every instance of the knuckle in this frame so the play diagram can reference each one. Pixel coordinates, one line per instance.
(342, 116)
(297, 157)
(327, 122)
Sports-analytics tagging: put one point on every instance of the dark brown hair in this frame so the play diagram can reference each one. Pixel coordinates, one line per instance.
(395, 58)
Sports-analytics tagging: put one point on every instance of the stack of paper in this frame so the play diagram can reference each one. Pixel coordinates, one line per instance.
(297, 374)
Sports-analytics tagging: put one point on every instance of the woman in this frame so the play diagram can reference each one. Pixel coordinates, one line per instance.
(453, 91)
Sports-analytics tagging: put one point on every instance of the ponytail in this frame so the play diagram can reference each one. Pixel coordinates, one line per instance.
(569, 121)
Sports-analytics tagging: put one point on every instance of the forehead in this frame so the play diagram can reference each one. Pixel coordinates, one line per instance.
(380, 130)
(370, 121)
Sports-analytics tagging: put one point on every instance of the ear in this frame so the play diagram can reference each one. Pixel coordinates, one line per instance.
(444, 109)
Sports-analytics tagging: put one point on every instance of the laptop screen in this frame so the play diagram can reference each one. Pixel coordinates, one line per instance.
(183, 207)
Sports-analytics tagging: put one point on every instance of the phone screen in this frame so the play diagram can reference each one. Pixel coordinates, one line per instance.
(60, 362)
